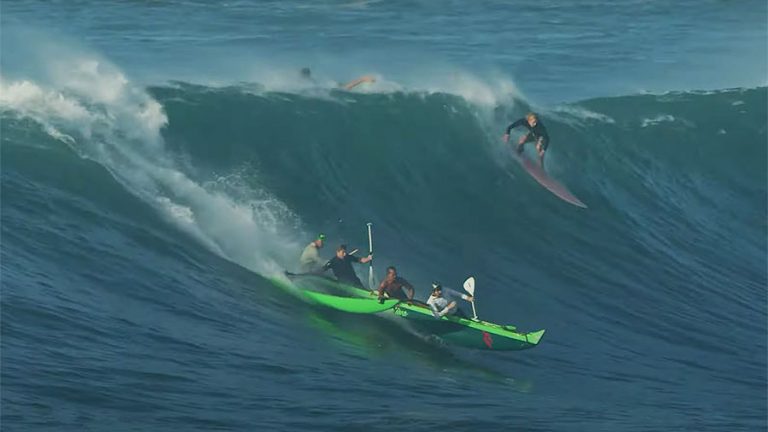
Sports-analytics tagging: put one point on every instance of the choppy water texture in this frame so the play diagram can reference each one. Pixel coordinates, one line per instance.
(162, 161)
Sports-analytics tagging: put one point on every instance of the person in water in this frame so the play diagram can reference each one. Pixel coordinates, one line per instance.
(442, 305)
(341, 265)
(536, 132)
(310, 258)
(393, 285)
(306, 74)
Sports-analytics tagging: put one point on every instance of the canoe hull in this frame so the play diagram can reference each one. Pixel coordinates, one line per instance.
(467, 333)
(452, 330)
(350, 304)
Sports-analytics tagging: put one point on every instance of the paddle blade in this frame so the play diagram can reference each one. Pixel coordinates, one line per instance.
(469, 285)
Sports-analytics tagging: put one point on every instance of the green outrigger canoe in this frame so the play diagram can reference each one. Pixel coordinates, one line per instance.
(452, 330)
(361, 305)
(350, 304)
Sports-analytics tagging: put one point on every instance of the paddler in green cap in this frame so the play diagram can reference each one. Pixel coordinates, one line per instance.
(310, 259)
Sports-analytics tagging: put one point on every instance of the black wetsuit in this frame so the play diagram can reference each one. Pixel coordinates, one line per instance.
(534, 133)
(342, 269)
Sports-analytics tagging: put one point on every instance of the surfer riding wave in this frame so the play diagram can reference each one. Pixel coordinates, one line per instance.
(536, 133)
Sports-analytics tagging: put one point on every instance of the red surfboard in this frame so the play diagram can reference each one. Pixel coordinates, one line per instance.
(552, 185)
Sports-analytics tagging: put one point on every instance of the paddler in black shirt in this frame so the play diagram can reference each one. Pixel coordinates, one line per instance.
(536, 132)
(341, 265)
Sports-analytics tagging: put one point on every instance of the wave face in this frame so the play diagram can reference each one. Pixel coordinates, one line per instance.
(140, 227)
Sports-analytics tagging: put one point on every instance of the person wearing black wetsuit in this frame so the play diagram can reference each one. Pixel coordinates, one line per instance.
(536, 132)
(341, 265)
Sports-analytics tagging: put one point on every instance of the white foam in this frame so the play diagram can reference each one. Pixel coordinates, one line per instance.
(579, 113)
(282, 75)
(488, 92)
(661, 118)
(27, 97)
(93, 107)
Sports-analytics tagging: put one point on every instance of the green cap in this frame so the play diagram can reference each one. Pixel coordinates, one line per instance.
(321, 236)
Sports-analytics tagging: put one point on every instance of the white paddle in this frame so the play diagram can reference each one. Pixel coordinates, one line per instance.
(469, 286)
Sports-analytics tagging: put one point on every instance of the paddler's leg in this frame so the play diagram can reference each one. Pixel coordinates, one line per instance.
(460, 313)
(450, 309)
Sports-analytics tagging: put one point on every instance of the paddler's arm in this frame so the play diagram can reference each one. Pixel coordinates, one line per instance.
(364, 79)
(354, 259)
(440, 313)
(409, 287)
(365, 260)
(448, 309)
(380, 291)
(458, 294)
(322, 269)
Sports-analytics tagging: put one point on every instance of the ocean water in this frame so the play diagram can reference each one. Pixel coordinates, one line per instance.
(163, 162)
